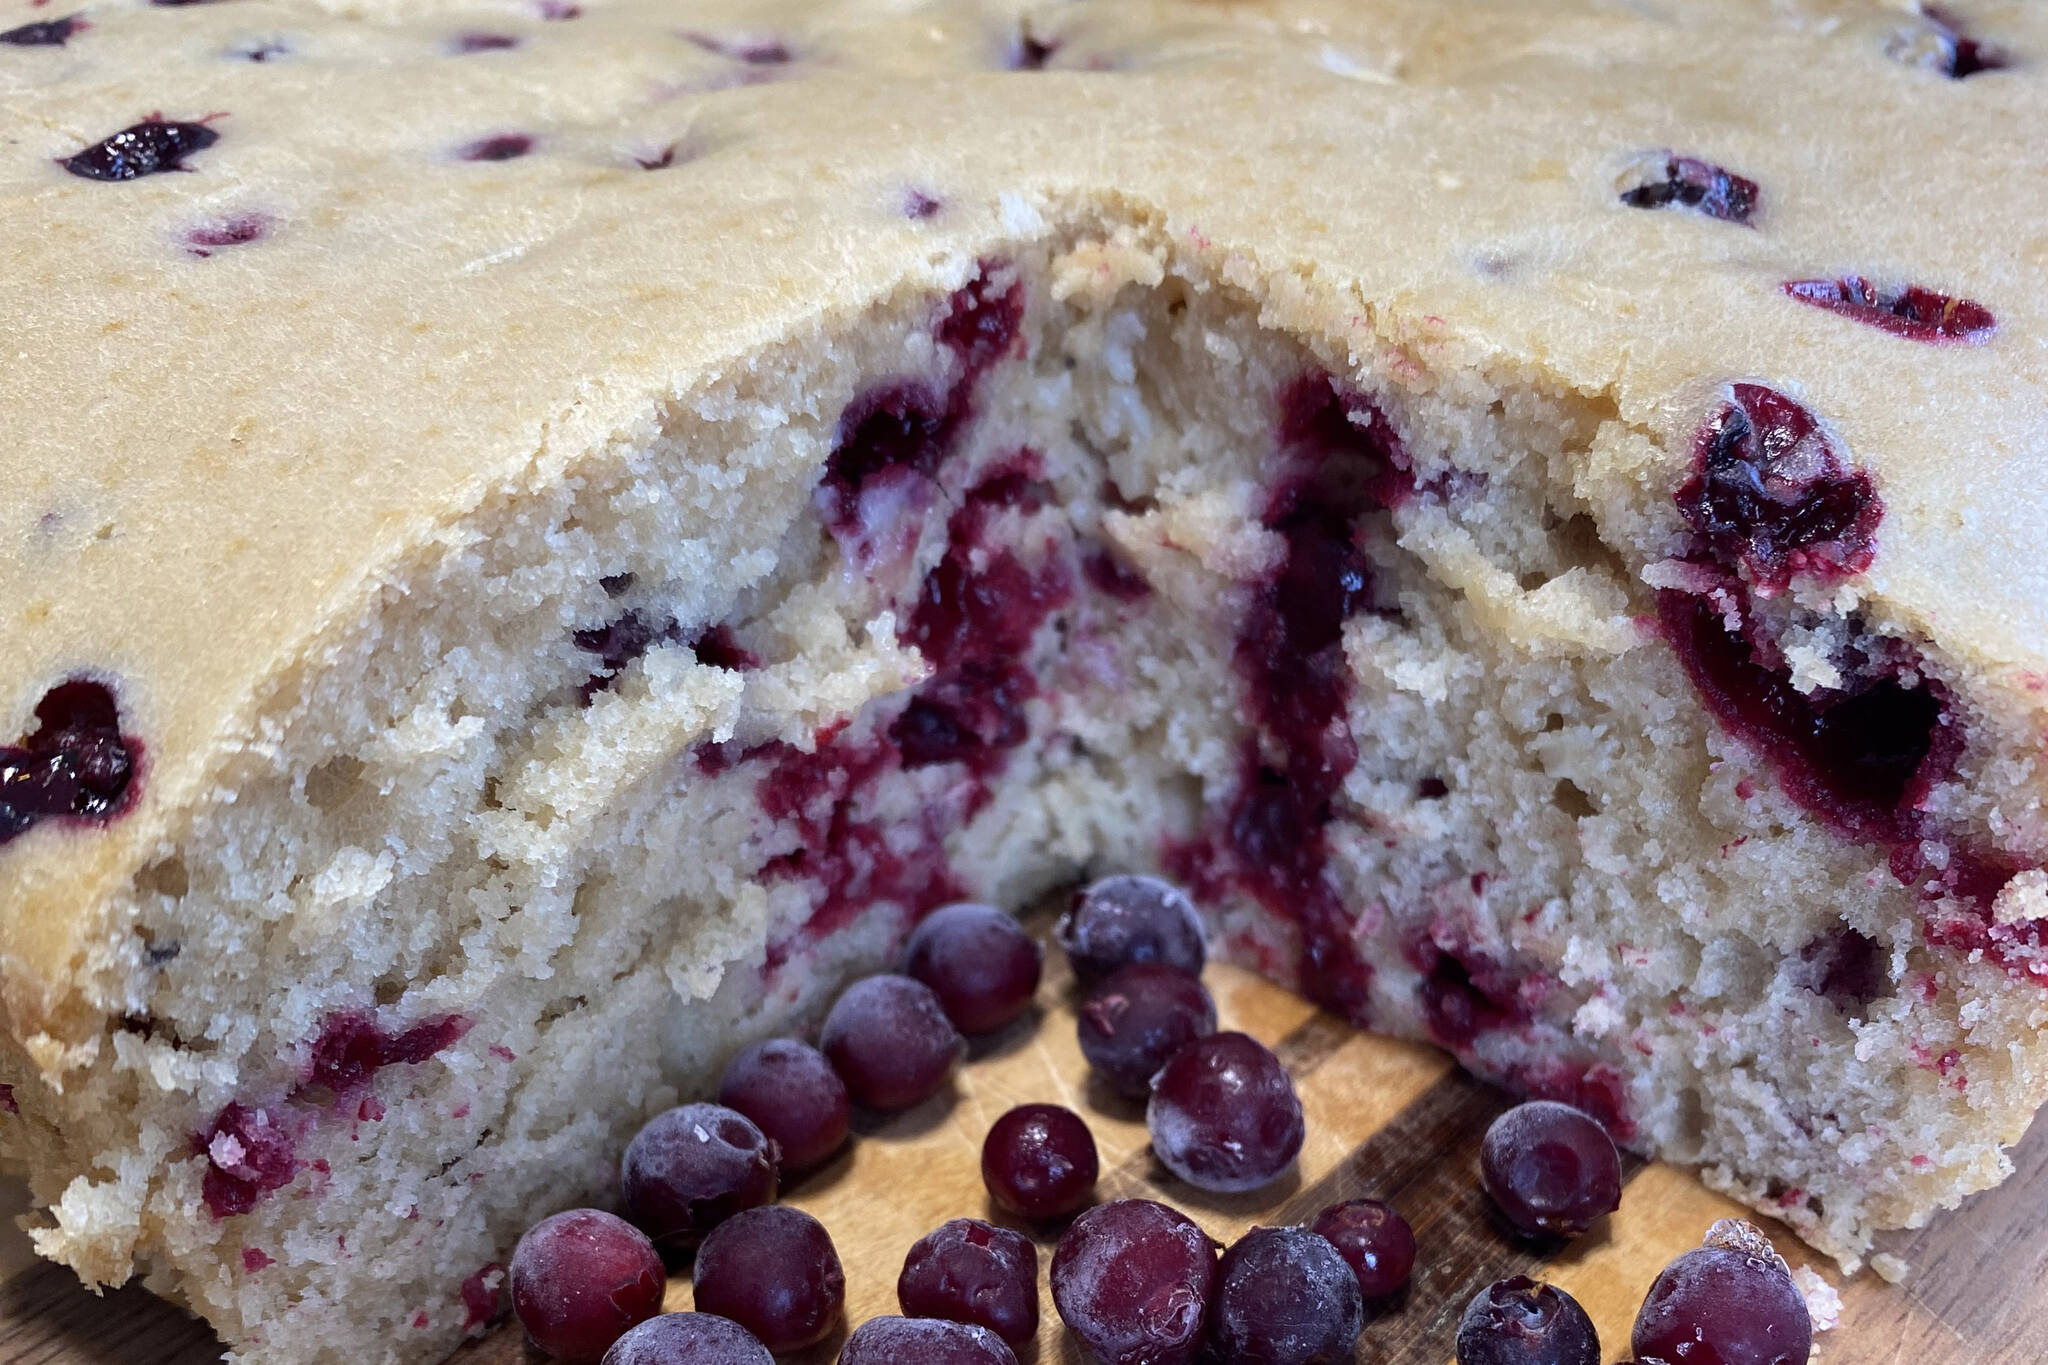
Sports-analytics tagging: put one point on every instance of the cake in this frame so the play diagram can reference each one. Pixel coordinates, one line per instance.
(540, 538)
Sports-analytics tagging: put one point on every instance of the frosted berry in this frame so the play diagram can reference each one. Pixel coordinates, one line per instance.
(1132, 1281)
(1137, 1018)
(774, 1271)
(690, 1169)
(1551, 1170)
(1039, 1161)
(1732, 1302)
(688, 1339)
(581, 1279)
(1284, 1296)
(891, 1042)
(983, 967)
(1374, 1241)
(1521, 1322)
(971, 1271)
(794, 1096)
(924, 1341)
(1224, 1115)
(1125, 919)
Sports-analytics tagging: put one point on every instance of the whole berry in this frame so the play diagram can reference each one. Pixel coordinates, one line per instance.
(1039, 1161)
(1284, 1296)
(793, 1095)
(691, 1168)
(1132, 1021)
(688, 1339)
(1132, 1281)
(774, 1271)
(924, 1341)
(1224, 1115)
(1732, 1302)
(1551, 1169)
(582, 1278)
(891, 1042)
(1124, 919)
(971, 1271)
(1374, 1241)
(983, 967)
(1521, 1322)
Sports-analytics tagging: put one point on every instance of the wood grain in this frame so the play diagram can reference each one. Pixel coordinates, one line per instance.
(1387, 1120)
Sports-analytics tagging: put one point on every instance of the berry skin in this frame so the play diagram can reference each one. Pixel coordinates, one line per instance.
(146, 148)
(1374, 1241)
(983, 967)
(891, 1042)
(1285, 1296)
(794, 1096)
(1124, 919)
(1909, 311)
(924, 1341)
(1224, 1115)
(1731, 1302)
(774, 1271)
(1521, 1322)
(690, 1169)
(1131, 1023)
(971, 1271)
(1690, 183)
(1039, 1161)
(581, 1280)
(688, 1339)
(1550, 1169)
(1132, 1281)
(77, 763)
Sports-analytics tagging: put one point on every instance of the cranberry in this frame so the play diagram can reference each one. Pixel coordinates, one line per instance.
(773, 1270)
(1039, 1161)
(688, 1339)
(1940, 43)
(46, 33)
(1550, 1169)
(794, 1096)
(971, 1271)
(76, 763)
(1131, 1023)
(981, 965)
(581, 1279)
(890, 1041)
(501, 147)
(1124, 919)
(1907, 311)
(690, 1169)
(923, 1341)
(248, 1156)
(1224, 1115)
(145, 148)
(352, 1047)
(1285, 1296)
(1374, 1241)
(1732, 1302)
(465, 43)
(240, 230)
(1132, 1279)
(753, 49)
(901, 426)
(1698, 185)
(1521, 1322)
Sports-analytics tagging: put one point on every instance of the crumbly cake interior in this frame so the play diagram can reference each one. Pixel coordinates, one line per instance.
(1085, 565)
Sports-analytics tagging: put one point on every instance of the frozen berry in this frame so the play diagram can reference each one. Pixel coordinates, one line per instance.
(891, 1042)
(1551, 1170)
(1132, 1022)
(145, 148)
(1374, 1241)
(1521, 1322)
(1039, 1161)
(794, 1096)
(983, 967)
(690, 1169)
(1732, 1302)
(1132, 1280)
(773, 1270)
(580, 1279)
(688, 1339)
(971, 1271)
(1125, 919)
(923, 1341)
(1224, 1115)
(1284, 1296)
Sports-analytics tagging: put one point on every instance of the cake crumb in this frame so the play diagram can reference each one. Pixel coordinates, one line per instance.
(1823, 1303)
(1889, 1268)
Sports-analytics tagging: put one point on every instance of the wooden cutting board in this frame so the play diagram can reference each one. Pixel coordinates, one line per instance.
(1388, 1120)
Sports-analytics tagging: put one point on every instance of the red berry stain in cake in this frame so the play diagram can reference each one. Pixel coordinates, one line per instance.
(254, 1260)
(370, 1110)
(146, 148)
(1030, 52)
(1954, 52)
(753, 49)
(1689, 183)
(1595, 1089)
(1907, 311)
(501, 147)
(240, 230)
(45, 32)
(248, 1156)
(76, 764)
(1110, 576)
(921, 207)
(7, 1100)
(353, 1047)
(557, 11)
(462, 44)
(483, 1297)
(261, 51)
(619, 642)
(1468, 990)
(503, 1053)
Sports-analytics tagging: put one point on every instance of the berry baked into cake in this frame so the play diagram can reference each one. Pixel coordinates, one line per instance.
(539, 538)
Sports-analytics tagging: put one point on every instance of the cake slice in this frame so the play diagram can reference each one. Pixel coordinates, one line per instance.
(540, 540)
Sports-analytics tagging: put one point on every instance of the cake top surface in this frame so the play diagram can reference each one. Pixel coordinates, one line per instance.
(292, 286)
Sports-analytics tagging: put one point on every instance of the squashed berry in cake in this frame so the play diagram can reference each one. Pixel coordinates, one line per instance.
(1907, 311)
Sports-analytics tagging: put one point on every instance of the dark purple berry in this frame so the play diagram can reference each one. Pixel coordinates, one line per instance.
(581, 1279)
(44, 33)
(1374, 1241)
(1039, 1161)
(774, 1271)
(1132, 1022)
(76, 763)
(1551, 1170)
(1224, 1115)
(1732, 1302)
(971, 1271)
(1521, 1322)
(794, 1096)
(141, 149)
(1907, 311)
(983, 967)
(690, 1169)
(1124, 919)
(1132, 1281)
(502, 147)
(688, 1339)
(890, 1041)
(1284, 1296)
(923, 1341)
(462, 44)
(1706, 189)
